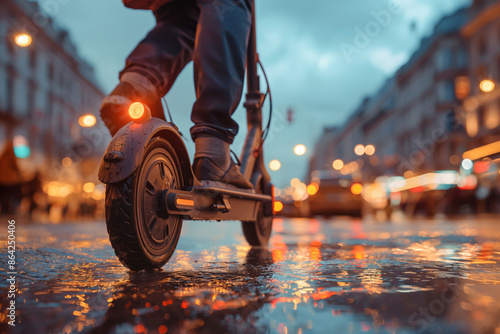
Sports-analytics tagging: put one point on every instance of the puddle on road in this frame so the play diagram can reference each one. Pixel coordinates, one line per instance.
(315, 277)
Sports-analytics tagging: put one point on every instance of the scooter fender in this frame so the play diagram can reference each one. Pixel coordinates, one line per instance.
(125, 152)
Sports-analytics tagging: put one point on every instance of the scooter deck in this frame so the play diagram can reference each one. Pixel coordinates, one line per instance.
(214, 203)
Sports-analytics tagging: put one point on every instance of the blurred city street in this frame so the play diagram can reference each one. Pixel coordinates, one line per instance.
(317, 276)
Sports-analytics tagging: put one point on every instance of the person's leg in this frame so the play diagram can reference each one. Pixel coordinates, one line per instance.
(219, 72)
(219, 65)
(154, 64)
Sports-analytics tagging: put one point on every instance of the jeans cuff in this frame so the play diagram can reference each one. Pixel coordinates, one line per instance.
(203, 130)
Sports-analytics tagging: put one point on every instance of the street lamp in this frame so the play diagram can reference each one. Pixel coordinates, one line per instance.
(23, 40)
(487, 86)
(359, 149)
(87, 121)
(299, 150)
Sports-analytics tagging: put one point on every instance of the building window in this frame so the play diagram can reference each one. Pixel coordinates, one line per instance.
(60, 125)
(450, 91)
(10, 46)
(481, 71)
(31, 98)
(10, 90)
(444, 59)
(447, 91)
(49, 111)
(461, 58)
(491, 116)
(51, 71)
(498, 69)
(482, 46)
(32, 58)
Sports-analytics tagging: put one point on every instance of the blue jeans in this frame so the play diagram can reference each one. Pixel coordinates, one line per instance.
(212, 33)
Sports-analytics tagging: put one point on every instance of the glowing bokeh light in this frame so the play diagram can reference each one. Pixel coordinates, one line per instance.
(357, 189)
(369, 150)
(467, 164)
(278, 206)
(88, 187)
(22, 151)
(312, 189)
(294, 182)
(359, 150)
(275, 165)
(87, 121)
(23, 40)
(338, 164)
(299, 150)
(487, 86)
(136, 110)
(21, 147)
(67, 162)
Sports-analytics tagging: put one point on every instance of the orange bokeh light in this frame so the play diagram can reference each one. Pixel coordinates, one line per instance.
(87, 121)
(23, 40)
(136, 110)
(357, 188)
(278, 206)
(312, 189)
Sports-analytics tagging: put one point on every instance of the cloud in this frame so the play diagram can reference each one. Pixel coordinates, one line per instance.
(386, 60)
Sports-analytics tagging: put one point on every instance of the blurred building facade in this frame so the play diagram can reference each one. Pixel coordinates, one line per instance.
(481, 110)
(44, 89)
(418, 120)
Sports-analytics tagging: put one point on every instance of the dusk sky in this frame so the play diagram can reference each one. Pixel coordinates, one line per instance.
(300, 46)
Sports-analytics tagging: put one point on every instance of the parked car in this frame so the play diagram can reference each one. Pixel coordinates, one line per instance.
(336, 197)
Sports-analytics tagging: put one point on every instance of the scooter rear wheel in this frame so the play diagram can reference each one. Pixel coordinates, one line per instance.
(257, 233)
(142, 236)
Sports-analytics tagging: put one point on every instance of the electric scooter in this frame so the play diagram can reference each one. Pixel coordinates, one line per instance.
(151, 188)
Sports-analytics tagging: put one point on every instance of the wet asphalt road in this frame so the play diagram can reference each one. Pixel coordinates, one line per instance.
(317, 276)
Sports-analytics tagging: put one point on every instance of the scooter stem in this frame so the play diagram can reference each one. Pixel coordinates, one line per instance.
(254, 99)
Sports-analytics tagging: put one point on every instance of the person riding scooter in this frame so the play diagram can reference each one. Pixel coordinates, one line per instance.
(212, 33)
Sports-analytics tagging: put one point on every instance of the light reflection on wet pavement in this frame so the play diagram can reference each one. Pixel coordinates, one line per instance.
(317, 276)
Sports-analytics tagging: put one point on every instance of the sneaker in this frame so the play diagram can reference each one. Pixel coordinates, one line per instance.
(207, 172)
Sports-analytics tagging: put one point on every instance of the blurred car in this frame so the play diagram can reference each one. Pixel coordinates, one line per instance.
(336, 197)
(293, 209)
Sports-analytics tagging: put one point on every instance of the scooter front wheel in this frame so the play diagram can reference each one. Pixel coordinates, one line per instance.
(142, 236)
